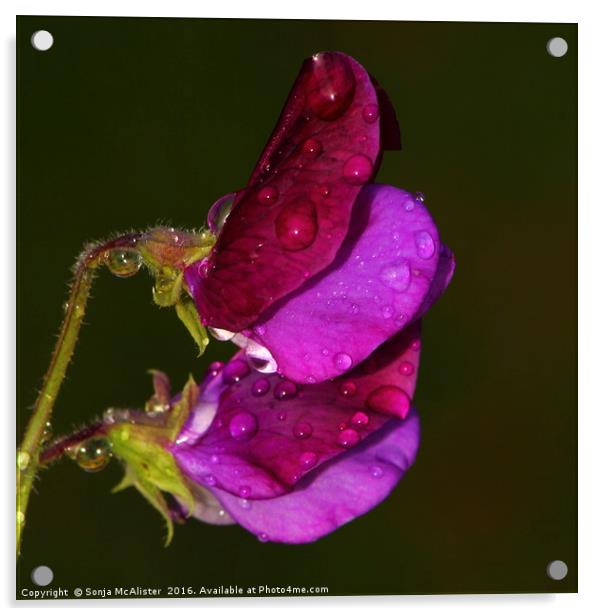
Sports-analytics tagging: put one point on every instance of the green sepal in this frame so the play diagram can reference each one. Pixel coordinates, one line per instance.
(150, 467)
(187, 312)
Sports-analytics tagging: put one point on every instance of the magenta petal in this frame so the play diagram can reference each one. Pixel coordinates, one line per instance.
(445, 272)
(290, 220)
(269, 432)
(339, 491)
(375, 287)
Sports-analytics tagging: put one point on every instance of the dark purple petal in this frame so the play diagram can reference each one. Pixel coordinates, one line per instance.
(339, 491)
(374, 288)
(290, 220)
(269, 432)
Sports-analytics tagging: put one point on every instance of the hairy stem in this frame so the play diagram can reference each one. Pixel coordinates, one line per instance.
(28, 453)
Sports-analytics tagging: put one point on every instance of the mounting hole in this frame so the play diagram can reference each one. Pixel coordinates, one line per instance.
(42, 575)
(557, 570)
(557, 47)
(42, 40)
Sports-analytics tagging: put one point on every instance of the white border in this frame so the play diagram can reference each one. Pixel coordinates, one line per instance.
(590, 305)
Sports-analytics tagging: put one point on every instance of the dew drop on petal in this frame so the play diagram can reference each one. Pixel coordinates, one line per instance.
(396, 275)
(297, 226)
(390, 400)
(312, 147)
(244, 491)
(281, 416)
(406, 368)
(267, 195)
(425, 246)
(234, 371)
(245, 504)
(354, 309)
(347, 389)
(387, 311)
(260, 387)
(263, 537)
(360, 419)
(415, 346)
(123, 262)
(203, 268)
(357, 169)
(285, 390)
(302, 430)
(243, 426)
(219, 212)
(348, 438)
(210, 480)
(370, 113)
(215, 368)
(330, 86)
(342, 361)
(420, 197)
(308, 459)
(376, 472)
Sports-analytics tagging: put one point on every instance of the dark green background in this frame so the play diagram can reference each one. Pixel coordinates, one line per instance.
(127, 122)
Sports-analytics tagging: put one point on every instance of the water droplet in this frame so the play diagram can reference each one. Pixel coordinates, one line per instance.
(312, 147)
(222, 335)
(285, 390)
(263, 537)
(93, 455)
(210, 480)
(260, 358)
(370, 113)
(406, 368)
(214, 459)
(308, 459)
(419, 197)
(324, 190)
(123, 262)
(348, 438)
(244, 491)
(243, 426)
(267, 195)
(325, 352)
(396, 275)
(387, 311)
(376, 472)
(415, 346)
(357, 169)
(260, 330)
(342, 361)
(425, 246)
(245, 504)
(297, 226)
(354, 309)
(330, 86)
(347, 389)
(219, 212)
(390, 400)
(234, 371)
(302, 430)
(260, 387)
(360, 419)
(281, 416)
(203, 268)
(23, 459)
(215, 368)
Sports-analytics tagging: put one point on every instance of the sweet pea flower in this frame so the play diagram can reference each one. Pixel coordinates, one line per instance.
(315, 267)
(288, 462)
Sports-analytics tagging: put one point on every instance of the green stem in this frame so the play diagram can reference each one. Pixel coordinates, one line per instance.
(28, 453)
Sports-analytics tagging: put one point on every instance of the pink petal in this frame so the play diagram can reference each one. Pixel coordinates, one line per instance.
(384, 272)
(339, 491)
(289, 222)
(268, 432)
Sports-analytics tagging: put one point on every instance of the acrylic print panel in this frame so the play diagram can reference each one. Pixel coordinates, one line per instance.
(320, 267)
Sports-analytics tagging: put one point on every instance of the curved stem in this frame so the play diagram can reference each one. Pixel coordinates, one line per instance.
(28, 453)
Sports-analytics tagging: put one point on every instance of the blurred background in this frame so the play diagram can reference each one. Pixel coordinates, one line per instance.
(125, 123)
